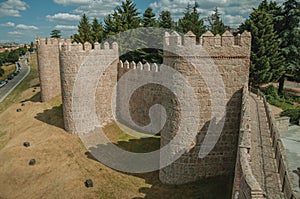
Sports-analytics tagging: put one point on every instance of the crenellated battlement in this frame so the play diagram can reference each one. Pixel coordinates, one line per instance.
(85, 75)
(51, 41)
(138, 66)
(208, 39)
(225, 45)
(78, 47)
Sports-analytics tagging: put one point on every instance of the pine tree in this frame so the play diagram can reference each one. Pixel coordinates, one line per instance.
(96, 31)
(216, 23)
(31, 48)
(55, 34)
(84, 31)
(191, 21)
(165, 20)
(266, 60)
(112, 25)
(148, 19)
(128, 14)
(289, 32)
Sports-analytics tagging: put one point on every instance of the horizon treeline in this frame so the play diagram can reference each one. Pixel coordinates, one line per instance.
(275, 30)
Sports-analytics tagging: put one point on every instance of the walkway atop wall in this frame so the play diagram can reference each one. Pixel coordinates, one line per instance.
(263, 160)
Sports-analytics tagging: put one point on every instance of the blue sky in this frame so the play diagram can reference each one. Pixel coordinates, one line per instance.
(22, 20)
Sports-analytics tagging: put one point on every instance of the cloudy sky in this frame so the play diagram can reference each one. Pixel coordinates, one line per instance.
(22, 20)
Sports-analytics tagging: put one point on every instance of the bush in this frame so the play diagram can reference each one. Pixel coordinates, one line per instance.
(294, 114)
(283, 101)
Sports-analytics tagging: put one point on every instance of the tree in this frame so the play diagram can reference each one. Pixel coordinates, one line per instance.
(216, 24)
(128, 14)
(266, 60)
(1, 71)
(148, 19)
(13, 56)
(191, 21)
(55, 34)
(84, 31)
(288, 19)
(31, 48)
(124, 17)
(96, 31)
(165, 20)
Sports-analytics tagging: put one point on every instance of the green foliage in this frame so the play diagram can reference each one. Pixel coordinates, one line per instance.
(288, 28)
(84, 31)
(266, 59)
(1, 72)
(55, 34)
(216, 24)
(12, 56)
(165, 20)
(31, 49)
(125, 17)
(148, 19)
(285, 101)
(191, 21)
(293, 113)
(96, 31)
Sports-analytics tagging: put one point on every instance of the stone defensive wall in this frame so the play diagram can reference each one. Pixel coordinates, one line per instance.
(224, 63)
(87, 83)
(230, 56)
(245, 185)
(48, 61)
(280, 154)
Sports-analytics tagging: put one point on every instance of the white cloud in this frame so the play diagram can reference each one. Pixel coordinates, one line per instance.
(92, 8)
(8, 24)
(15, 33)
(12, 8)
(233, 11)
(59, 17)
(72, 2)
(26, 27)
(63, 27)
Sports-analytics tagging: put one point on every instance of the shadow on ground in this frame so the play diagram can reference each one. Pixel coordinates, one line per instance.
(219, 187)
(52, 116)
(35, 98)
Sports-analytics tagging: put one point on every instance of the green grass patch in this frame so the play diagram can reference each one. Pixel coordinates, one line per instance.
(131, 140)
(15, 95)
(293, 113)
(8, 70)
(287, 102)
(284, 101)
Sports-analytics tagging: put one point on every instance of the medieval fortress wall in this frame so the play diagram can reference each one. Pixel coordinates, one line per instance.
(231, 55)
(82, 71)
(48, 61)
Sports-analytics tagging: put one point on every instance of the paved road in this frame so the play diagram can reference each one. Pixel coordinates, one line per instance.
(291, 142)
(12, 84)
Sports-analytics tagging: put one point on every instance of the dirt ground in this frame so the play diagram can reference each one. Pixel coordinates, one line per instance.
(62, 163)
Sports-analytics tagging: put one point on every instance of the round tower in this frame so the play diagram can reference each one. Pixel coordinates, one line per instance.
(48, 67)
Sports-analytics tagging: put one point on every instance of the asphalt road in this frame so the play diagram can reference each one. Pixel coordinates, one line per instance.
(12, 84)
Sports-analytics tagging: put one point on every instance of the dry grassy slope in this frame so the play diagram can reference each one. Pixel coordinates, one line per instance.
(62, 165)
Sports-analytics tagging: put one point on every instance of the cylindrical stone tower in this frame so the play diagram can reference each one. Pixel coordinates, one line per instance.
(48, 66)
(88, 77)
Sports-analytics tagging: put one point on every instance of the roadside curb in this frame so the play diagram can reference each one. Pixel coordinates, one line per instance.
(2, 99)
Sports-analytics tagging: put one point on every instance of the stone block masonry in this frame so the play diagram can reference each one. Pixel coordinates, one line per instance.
(81, 69)
(48, 62)
(231, 55)
(78, 67)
